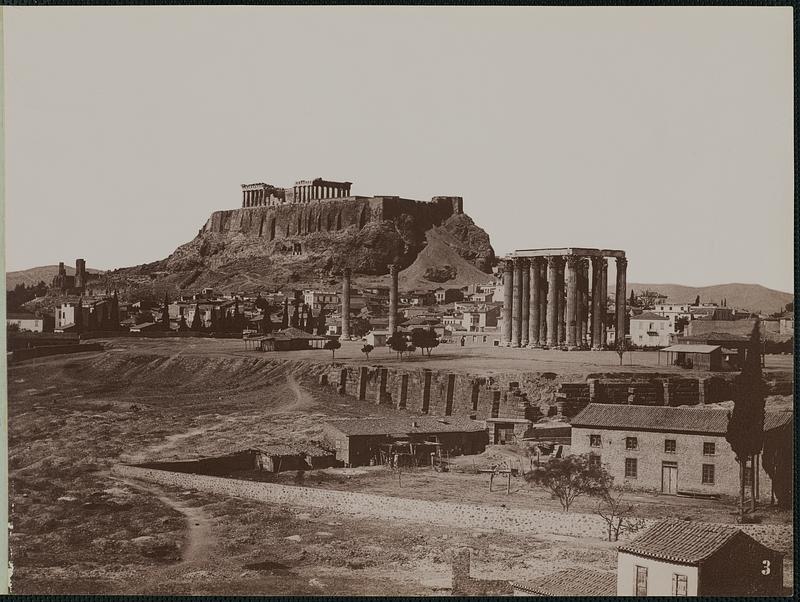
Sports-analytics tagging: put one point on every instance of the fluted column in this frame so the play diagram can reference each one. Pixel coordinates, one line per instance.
(620, 298)
(393, 299)
(552, 300)
(572, 300)
(596, 324)
(603, 302)
(508, 284)
(584, 302)
(346, 304)
(534, 302)
(516, 311)
(543, 301)
(560, 313)
(525, 294)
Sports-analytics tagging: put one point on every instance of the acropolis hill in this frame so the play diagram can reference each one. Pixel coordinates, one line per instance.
(312, 230)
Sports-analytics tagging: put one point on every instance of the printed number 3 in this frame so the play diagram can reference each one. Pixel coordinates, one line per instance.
(765, 564)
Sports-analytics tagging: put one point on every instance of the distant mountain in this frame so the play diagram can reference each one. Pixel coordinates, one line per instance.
(752, 297)
(33, 276)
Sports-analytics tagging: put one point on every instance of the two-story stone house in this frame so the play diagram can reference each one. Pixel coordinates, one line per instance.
(666, 449)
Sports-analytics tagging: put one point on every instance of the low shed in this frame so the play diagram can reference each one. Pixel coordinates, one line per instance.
(698, 357)
(360, 441)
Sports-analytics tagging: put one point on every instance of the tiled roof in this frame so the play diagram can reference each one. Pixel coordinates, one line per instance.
(691, 348)
(648, 315)
(572, 582)
(713, 421)
(21, 316)
(405, 425)
(681, 541)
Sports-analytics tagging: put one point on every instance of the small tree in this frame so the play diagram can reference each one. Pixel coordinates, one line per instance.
(400, 344)
(570, 477)
(681, 323)
(622, 347)
(618, 514)
(197, 321)
(367, 349)
(333, 345)
(425, 340)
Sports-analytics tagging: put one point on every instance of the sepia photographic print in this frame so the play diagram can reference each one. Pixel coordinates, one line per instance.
(399, 301)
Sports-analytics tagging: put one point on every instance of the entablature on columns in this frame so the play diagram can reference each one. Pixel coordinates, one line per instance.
(567, 251)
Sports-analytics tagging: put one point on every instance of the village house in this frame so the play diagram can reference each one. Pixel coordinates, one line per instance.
(672, 450)
(673, 311)
(684, 558)
(696, 357)
(25, 322)
(94, 314)
(360, 441)
(570, 582)
(447, 295)
(319, 299)
(480, 318)
(288, 339)
(650, 329)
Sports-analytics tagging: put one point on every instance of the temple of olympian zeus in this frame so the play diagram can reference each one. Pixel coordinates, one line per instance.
(549, 300)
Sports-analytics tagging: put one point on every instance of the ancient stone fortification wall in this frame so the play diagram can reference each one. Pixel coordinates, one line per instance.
(273, 223)
(504, 395)
(464, 516)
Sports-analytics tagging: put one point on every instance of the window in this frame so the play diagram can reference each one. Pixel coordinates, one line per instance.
(669, 446)
(631, 443)
(594, 460)
(708, 474)
(679, 585)
(641, 580)
(594, 440)
(631, 466)
(709, 449)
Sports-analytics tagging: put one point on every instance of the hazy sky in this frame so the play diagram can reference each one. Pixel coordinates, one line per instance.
(666, 132)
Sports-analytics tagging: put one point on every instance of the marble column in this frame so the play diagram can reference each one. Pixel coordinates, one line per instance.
(552, 300)
(584, 303)
(516, 307)
(604, 303)
(572, 301)
(534, 302)
(542, 301)
(560, 313)
(244, 198)
(596, 323)
(393, 271)
(508, 284)
(620, 299)
(346, 304)
(525, 294)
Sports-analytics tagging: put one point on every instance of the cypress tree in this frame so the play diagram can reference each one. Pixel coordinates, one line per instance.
(197, 322)
(165, 313)
(296, 316)
(115, 311)
(746, 422)
(79, 315)
(285, 317)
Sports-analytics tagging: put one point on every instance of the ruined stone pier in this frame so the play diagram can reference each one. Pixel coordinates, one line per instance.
(551, 300)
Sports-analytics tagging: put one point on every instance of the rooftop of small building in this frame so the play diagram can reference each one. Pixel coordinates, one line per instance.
(701, 420)
(684, 542)
(406, 425)
(571, 582)
(692, 348)
(648, 315)
(21, 315)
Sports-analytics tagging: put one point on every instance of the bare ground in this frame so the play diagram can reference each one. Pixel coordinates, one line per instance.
(77, 529)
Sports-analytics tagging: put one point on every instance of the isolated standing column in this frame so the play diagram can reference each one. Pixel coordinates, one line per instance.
(346, 304)
(596, 325)
(620, 298)
(508, 284)
(516, 312)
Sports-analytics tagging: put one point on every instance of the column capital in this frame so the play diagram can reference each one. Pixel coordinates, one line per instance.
(347, 272)
(519, 262)
(555, 260)
(508, 265)
(537, 261)
(573, 261)
(622, 262)
(393, 269)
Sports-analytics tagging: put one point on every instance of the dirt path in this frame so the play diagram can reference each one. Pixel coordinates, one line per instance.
(303, 400)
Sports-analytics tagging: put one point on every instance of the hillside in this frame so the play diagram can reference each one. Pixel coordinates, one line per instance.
(240, 252)
(33, 276)
(752, 297)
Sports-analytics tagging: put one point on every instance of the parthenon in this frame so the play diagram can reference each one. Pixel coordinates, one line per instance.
(303, 191)
(549, 299)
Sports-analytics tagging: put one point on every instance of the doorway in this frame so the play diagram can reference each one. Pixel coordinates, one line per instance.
(669, 478)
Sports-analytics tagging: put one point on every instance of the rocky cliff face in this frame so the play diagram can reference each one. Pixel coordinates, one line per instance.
(253, 249)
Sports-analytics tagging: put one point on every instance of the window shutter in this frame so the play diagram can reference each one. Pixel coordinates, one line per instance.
(674, 584)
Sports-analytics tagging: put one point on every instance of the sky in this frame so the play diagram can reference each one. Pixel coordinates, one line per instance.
(666, 132)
